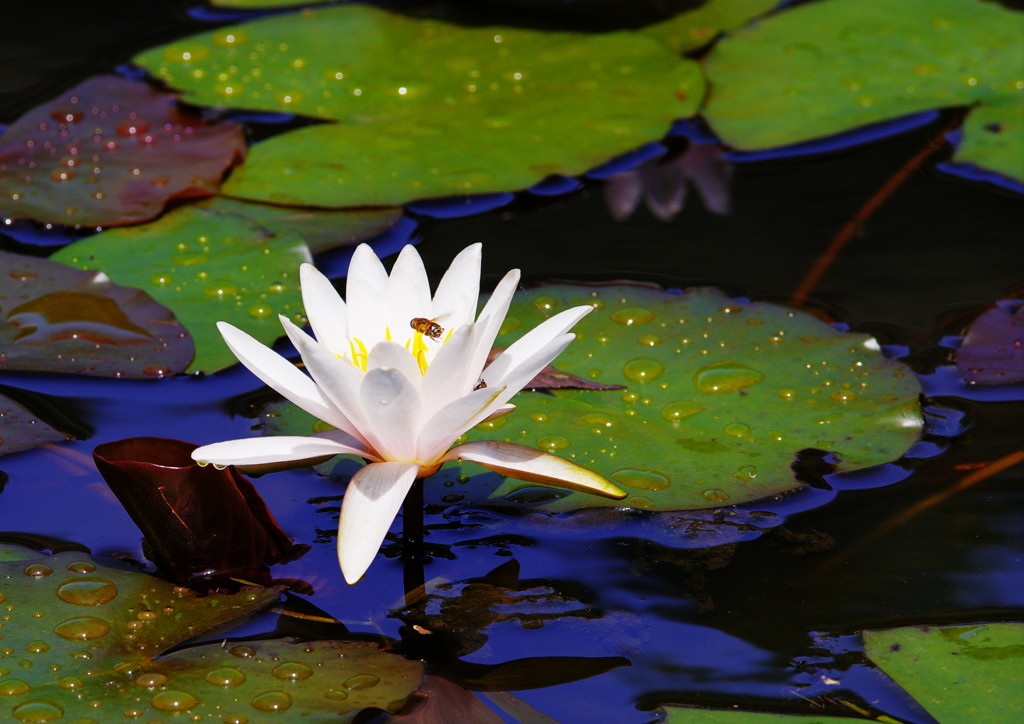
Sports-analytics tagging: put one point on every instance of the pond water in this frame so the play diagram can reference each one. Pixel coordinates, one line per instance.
(767, 623)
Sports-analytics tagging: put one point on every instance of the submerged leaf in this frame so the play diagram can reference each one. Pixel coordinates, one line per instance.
(552, 378)
(104, 630)
(425, 108)
(22, 430)
(777, 83)
(60, 319)
(204, 526)
(207, 267)
(110, 151)
(957, 673)
(992, 352)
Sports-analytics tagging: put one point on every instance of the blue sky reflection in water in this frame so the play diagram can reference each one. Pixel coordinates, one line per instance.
(710, 626)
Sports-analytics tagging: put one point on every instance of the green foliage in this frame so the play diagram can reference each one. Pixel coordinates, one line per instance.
(86, 638)
(827, 67)
(207, 267)
(424, 108)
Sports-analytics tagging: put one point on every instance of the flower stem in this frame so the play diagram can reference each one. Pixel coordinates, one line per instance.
(412, 544)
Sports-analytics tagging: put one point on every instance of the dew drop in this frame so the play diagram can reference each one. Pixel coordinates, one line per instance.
(272, 701)
(681, 409)
(745, 473)
(82, 628)
(261, 311)
(641, 478)
(539, 417)
(70, 683)
(158, 371)
(131, 128)
(171, 700)
(545, 302)
(37, 570)
(721, 377)
(553, 442)
(336, 695)
(236, 719)
(81, 567)
(87, 591)
(843, 396)
(713, 495)
(292, 670)
(737, 429)
(37, 647)
(649, 340)
(597, 419)
(151, 681)
(37, 711)
(631, 316)
(161, 280)
(13, 687)
(492, 424)
(643, 369)
(361, 681)
(220, 290)
(242, 652)
(788, 394)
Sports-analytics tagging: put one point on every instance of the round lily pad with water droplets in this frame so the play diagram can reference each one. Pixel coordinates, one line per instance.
(108, 152)
(207, 267)
(778, 82)
(721, 396)
(424, 108)
(82, 639)
(57, 319)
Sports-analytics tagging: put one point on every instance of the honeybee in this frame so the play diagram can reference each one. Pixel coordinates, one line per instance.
(480, 384)
(427, 327)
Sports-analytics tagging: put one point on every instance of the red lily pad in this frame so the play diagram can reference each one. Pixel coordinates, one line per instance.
(110, 152)
(22, 430)
(992, 352)
(204, 525)
(59, 319)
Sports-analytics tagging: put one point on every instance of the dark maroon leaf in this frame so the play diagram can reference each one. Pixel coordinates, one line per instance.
(552, 378)
(992, 352)
(109, 152)
(532, 672)
(204, 526)
(54, 318)
(21, 430)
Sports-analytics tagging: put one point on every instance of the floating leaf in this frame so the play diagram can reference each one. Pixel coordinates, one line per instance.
(696, 28)
(203, 525)
(207, 267)
(322, 229)
(59, 319)
(101, 629)
(992, 351)
(22, 430)
(957, 673)
(110, 151)
(777, 83)
(425, 108)
(690, 715)
(721, 397)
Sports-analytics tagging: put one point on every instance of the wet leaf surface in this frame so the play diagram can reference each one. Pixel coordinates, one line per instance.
(992, 352)
(775, 84)
(696, 28)
(109, 152)
(721, 396)
(22, 430)
(207, 267)
(205, 526)
(60, 319)
(957, 673)
(100, 629)
(424, 108)
(322, 229)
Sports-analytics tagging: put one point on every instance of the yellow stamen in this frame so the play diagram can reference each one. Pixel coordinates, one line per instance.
(419, 352)
(359, 355)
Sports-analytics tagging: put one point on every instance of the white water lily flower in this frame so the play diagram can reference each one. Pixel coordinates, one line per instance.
(401, 376)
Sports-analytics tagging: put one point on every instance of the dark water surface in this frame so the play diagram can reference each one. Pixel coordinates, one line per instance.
(759, 623)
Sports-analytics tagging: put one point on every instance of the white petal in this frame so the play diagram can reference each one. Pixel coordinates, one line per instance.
(366, 267)
(280, 374)
(325, 309)
(492, 316)
(372, 500)
(338, 379)
(525, 370)
(527, 345)
(367, 307)
(447, 424)
(395, 356)
(263, 450)
(450, 374)
(393, 413)
(408, 294)
(458, 293)
(525, 463)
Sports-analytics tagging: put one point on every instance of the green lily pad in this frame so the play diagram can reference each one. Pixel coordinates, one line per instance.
(322, 229)
(59, 319)
(821, 68)
(207, 267)
(721, 394)
(425, 108)
(957, 673)
(696, 28)
(22, 430)
(101, 630)
(110, 151)
(993, 134)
